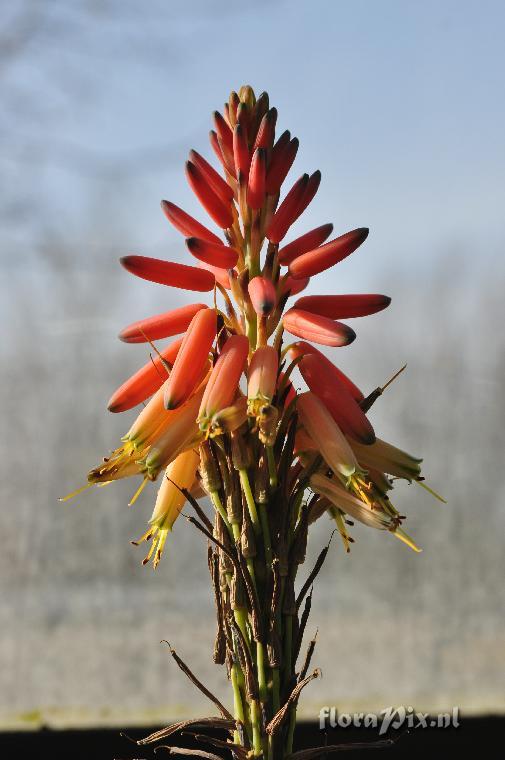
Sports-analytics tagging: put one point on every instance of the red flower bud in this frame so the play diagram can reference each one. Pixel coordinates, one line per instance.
(327, 255)
(305, 243)
(220, 212)
(219, 185)
(145, 381)
(287, 213)
(186, 224)
(162, 325)
(333, 393)
(168, 273)
(283, 155)
(257, 177)
(319, 329)
(217, 255)
(262, 294)
(301, 348)
(266, 132)
(221, 275)
(241, 150)
(343, 307)
(191, 359)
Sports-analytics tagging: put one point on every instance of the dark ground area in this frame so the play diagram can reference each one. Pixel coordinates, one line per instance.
(480, 734)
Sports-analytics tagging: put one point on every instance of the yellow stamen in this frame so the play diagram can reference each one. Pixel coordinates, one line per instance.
(431, 491)
(399, 533)
(76, 492)
(138, 492)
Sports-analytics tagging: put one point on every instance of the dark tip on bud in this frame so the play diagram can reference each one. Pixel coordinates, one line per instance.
(349, 334)
(363, 233)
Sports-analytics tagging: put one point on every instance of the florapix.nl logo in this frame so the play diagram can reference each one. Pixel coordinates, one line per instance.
(388, 718)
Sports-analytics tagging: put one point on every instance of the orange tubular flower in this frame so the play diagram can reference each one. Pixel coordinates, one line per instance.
(301, 348)
(169, 273)
(262, 378)
(179, 474)
(179, 435)
(343, 307)
(326, 256)
(319, 329)
(333, 393)
(161, 326)
(326, 434)
(224, 378)
(192, 358)
(145, 381)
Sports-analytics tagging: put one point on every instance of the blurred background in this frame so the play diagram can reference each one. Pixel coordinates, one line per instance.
(399, 104)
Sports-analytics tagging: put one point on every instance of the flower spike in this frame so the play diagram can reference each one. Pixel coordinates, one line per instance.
(168, 273)
(223, 415)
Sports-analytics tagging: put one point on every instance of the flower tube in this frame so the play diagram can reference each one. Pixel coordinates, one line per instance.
(324, 431)
(180, 474)
(224, 378)
(192, 358)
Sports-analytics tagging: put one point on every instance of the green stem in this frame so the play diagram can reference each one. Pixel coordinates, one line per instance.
(272, 469)
(256, 728)
(238, 707)
(222, 511)
(251, 504)
(266, 536)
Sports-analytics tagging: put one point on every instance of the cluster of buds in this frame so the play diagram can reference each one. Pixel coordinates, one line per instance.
(223, 419)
